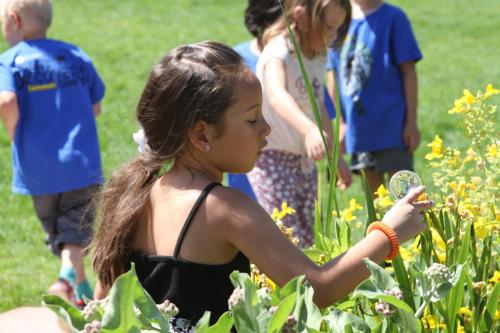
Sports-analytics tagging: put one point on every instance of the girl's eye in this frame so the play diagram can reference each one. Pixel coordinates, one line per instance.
(253, 122)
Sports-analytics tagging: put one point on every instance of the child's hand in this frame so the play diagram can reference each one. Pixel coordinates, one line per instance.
(344, 175)
(405, 216)
(411, 136)
(314, 144)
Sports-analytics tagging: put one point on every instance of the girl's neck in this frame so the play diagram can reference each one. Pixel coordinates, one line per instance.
(189, 169)
(363, 8)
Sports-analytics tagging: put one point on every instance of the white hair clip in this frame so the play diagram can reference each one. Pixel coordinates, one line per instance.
(140, 139)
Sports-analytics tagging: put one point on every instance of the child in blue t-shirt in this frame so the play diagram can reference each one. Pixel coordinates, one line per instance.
(378, 90)
(49, 95)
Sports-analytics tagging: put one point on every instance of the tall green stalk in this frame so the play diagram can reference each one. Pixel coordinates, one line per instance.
(331, 157)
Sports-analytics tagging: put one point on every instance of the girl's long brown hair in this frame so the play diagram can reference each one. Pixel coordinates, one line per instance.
(191, 83)
(314, 11)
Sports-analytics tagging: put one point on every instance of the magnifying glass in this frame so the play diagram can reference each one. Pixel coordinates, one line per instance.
(402, 182)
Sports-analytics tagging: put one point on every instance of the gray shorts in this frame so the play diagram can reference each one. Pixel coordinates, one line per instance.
(386, 160)
(66, 217)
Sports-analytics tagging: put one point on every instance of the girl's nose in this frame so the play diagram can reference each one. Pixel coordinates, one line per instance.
(266, 129)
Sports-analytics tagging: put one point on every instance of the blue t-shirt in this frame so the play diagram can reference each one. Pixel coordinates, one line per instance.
(371, 86)
(247, 54)
(55, 146)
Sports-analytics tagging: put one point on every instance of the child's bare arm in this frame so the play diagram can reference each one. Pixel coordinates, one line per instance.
(281, 100)
(99, 292)
(251, 230)
(9, 111)
(411, 134)
(286, 107)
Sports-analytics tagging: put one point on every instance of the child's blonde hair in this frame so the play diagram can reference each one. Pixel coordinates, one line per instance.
(37, 12)
(314, 10)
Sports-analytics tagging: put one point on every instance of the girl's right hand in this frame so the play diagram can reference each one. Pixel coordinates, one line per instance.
(315, 148)
(405, 217)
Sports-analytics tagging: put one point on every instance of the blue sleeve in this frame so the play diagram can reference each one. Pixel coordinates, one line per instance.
(404, 45)
(96, 85)
(6, 79)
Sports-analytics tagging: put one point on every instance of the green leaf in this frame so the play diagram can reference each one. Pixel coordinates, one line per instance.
(455, 302)
(380, 277)
(145, 303)
(223, 325)
(292, 286)
(341, 322)
(119, 314)
(370, 207)
(491, 308)
(345, 305)
(280, 317)
(66, 311)
(403, 280)
(246, 313)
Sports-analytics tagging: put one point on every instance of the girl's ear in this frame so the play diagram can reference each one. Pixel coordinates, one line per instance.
(201, 135)
(300, 17)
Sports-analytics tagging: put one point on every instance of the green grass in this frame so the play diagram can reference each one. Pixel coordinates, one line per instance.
(125, 38)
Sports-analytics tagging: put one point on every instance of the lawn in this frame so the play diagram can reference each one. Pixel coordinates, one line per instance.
(125, 38)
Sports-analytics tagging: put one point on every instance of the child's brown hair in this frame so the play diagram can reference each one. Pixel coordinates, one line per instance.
(191, 83)
(314, 10)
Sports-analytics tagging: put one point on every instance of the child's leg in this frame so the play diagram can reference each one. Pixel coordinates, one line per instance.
(67, 217)
(74, 234)
(375, 179)
(307, 193)
(275, 179)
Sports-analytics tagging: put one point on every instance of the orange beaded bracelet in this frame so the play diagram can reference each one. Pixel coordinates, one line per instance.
(390, 233)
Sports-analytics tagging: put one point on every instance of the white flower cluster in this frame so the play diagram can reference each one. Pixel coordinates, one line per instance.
(91, 308)
(384, 308)
(93, 327)
(236, 298)
(438, 273)
(168, 308)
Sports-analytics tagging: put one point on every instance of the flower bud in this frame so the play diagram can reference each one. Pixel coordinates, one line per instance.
(168, 309)
(93, 327)
(236, 298)
(90, 309)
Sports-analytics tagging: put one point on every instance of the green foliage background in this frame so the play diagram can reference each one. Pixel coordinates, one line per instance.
(459, 40)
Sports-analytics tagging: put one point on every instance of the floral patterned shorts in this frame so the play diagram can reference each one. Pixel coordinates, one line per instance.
(280, 177)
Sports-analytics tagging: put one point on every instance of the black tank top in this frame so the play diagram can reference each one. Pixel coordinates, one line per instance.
(193, 287)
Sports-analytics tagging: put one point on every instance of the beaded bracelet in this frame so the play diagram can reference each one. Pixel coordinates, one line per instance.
(390, 233)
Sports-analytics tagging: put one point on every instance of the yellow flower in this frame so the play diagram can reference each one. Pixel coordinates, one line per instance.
(468, 97)
(465, 311)
(490, 91)
(353, 205)
(437, 149)
(492, 150)
(384, 202)
(381, 191)
(458, 189)
(347, 216)
(454, 160)
(286, 209)
(281, 214)
(430, 321)
(495, 278)
(276, 214)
